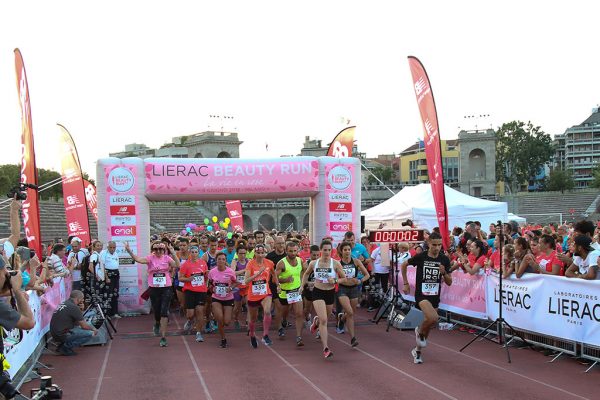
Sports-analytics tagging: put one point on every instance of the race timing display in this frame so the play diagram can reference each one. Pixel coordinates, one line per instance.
(397, 236)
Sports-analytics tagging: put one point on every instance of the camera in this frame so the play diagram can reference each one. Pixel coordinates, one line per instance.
(7, 388)
(47, 390)
(19, 192)
(7, 284)
(408, 223)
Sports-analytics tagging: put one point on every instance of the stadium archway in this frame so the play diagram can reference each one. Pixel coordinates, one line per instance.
(125, 186)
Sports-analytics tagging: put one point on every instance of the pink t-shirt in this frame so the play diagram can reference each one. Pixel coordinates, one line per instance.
(221, 281)
(158, 271)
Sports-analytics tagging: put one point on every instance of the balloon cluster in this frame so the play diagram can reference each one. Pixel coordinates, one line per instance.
(208, 226)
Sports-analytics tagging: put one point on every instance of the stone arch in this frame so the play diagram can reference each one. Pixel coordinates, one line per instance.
(306, 222)
(477, 164)
(266, 222)
(247, 223)
(198, 155)
(223, 154)
(287, 220)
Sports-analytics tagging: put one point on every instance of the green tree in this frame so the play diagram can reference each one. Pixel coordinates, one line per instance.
(596, 175)
(521, 150)
(560, 180)
(385, 174)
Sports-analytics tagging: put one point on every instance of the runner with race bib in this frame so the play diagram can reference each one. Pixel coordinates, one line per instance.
(160, 268)
(289, 273)
(328, 272)
(193, 275)
(222, 280)
(241, 291)
(432, 268)
(258, 274)
(349, 291)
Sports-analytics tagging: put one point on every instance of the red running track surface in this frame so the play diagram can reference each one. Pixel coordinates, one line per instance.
(133, 366)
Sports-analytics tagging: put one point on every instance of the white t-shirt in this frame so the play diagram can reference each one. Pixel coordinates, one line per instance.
(110, 261)
(384, 269)
(77, 269)
(590, 261)
(8, 248)
(94, 263)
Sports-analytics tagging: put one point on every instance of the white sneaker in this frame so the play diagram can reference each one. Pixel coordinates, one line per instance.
(416, 356)
(188, 326)
(420, 342)
(199, 337)
(116, 316)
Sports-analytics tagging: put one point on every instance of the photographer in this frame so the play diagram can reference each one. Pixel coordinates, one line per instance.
(8, 245)
(11, 318)
(68, 327)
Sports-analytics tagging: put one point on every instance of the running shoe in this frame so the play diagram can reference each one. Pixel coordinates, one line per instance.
(207, 328)
(116, 316)
(253, 342)
(199, 337)
(416, 356)
(281, 332)
(286, 324)
(340, 324)
(223, 343)
(267, 340)
(156, 329)
(188, 326)
(318, 335)
(237, 326)
(213, 326)
(299, 342)
(421, 342)
(314, 325)
(163, 342)
(327, 353)
(370, 309)
(353, 342)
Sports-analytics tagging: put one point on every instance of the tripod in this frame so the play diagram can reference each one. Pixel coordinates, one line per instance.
(98, 309)
(500, 322)
(392, 295)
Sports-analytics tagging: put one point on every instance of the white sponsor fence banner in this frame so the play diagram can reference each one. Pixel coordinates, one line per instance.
(550, 305)
(19, 344)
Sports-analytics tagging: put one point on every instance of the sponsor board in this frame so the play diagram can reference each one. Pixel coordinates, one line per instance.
(339, 178)
(129, 291)
(121, 200)
(340, 217)
(128, 272)
(120, 179)
(126, 261)
(340, 197)
(123, 220)
(128, 280)
(340, 226)
(122, 210)
(123, 231)
(340, 207)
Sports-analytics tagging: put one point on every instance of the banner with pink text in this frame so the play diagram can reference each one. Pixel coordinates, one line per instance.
(465, 296)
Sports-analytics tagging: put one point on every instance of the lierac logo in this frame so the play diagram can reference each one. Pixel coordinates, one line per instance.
(121, 179)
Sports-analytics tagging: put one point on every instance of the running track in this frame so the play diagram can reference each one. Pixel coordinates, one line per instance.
(133, 367)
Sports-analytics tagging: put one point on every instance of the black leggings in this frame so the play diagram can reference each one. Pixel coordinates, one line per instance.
(382, 279)
(160, 297)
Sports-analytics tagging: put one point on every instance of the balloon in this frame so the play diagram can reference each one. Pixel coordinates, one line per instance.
(202, 227)
(206, 221)
(215, 219)
(229, 235)
(225, 225)
(188, 229)
(193, 226)
(227, 220)
(209, 228)
(216, 226)
(183, 232)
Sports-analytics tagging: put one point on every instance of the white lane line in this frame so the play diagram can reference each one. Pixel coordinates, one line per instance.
(414, 378)
(104, 364)
(198, 373)
(509, 371)
(323, 394)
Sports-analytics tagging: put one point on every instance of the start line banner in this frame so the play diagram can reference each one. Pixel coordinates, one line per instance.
(550, 305)
(466, 295)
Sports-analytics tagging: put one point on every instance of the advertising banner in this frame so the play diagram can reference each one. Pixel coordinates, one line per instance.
(342, 143)
(30, 208)
(465, 296)
(339, 192)
(91, 198)
(551, 305)
(73, 190)
(234, 210)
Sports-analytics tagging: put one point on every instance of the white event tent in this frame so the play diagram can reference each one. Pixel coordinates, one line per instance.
(416, 203)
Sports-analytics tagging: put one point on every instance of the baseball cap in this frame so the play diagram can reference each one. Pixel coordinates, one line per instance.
(584, 241)
(230, 242)
(75, 239)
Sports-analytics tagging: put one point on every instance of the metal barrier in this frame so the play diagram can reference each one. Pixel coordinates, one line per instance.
(591, 353)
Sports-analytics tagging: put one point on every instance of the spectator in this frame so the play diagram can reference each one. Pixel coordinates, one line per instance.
(476, 259)
(10, 243)
(55, 261)
(75, 260)
(585, 260)
(523, 256)
(509, 261)
(546, 261)
(67, 326)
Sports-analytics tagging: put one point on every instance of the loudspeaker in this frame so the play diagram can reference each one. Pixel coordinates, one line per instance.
(100, 338)
(362, 224)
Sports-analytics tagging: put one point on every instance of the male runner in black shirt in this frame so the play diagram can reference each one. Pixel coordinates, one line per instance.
(432, 267)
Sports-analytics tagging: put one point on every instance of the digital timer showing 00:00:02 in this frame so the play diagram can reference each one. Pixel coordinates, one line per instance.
(397, 236)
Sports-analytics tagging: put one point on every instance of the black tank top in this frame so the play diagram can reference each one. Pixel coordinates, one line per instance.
(350, 270)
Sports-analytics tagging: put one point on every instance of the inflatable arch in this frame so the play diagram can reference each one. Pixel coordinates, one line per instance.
(125, 186)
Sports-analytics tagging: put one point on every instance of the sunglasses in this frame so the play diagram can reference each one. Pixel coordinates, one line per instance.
(158, 249)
